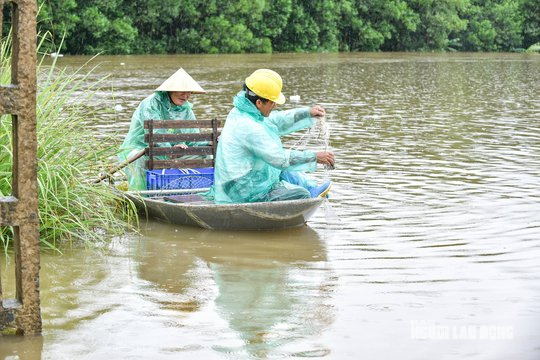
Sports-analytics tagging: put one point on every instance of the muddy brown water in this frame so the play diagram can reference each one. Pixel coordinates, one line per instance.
(428, 247)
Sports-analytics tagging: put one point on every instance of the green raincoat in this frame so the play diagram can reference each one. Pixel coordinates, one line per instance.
(157, 106)
(251, 164)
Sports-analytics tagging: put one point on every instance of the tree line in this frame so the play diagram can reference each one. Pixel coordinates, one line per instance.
(264, 26)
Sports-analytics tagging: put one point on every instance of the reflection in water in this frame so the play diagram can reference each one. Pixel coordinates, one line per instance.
(173, 268)
(272, 288)
(21, 348)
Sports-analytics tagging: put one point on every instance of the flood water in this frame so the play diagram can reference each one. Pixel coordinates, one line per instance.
(428, 248)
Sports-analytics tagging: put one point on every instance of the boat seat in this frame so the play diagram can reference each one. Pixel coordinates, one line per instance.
(160, 132)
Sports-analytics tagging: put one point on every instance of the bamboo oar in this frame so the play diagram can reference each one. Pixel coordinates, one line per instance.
(120, 166)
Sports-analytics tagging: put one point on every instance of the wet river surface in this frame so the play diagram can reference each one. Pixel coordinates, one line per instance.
(428, 248)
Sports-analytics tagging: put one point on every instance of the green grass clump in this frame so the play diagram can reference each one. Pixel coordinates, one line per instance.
(71, 207)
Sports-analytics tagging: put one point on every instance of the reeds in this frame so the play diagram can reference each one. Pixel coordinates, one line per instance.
(71, 207)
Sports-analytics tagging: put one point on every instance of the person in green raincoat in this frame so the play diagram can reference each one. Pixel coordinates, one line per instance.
(168, 102)
(251, 163)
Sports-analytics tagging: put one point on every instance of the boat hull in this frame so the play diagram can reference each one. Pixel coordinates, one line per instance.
(249, 216)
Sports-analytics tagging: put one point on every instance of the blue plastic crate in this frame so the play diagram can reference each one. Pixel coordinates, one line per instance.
(179, 178)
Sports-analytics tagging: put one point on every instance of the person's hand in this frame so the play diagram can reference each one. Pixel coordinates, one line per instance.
(326, 158)
(317, 111)
(181, 146)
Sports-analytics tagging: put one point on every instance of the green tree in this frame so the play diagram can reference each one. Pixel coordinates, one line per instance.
(59, 18)
(219, 26)
(508, 21)
(325, 13)
(384, 22)
(160, 24)
(274, 19)
(301, 32)
(438, 20)
(222, 36)
(236, 26)
(480, 34)
(531, 22)
(494, 25)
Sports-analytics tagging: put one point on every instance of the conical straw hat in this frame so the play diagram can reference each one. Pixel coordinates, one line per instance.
(181, 81)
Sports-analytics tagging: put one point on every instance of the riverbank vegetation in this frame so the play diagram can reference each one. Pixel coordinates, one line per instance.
(70, 206)
(244, 26)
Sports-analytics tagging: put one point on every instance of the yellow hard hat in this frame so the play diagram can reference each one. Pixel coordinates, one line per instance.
(267, 84)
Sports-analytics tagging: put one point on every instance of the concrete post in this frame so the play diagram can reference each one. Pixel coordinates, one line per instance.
(20, 210)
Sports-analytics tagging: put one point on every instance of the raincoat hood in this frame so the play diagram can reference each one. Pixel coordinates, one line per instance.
(242, 103)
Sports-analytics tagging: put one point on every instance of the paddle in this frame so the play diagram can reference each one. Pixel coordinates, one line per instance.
(119, 166)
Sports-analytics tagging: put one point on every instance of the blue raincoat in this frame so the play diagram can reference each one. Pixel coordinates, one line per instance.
(251, 163)
(157, 106)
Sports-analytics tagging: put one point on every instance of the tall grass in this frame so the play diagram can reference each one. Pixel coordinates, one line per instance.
(69, 155)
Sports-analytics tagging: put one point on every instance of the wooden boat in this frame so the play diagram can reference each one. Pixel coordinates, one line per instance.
(193, 210)
(186, 206)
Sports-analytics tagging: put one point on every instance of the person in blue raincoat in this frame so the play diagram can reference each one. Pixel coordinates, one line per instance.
(168, 102)
(251, 163)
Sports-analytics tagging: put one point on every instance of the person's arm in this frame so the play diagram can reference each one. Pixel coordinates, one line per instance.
(289, 121)
(268, 147)
(302, 160)
(307, 160)
(134, 140)
(154, 110)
